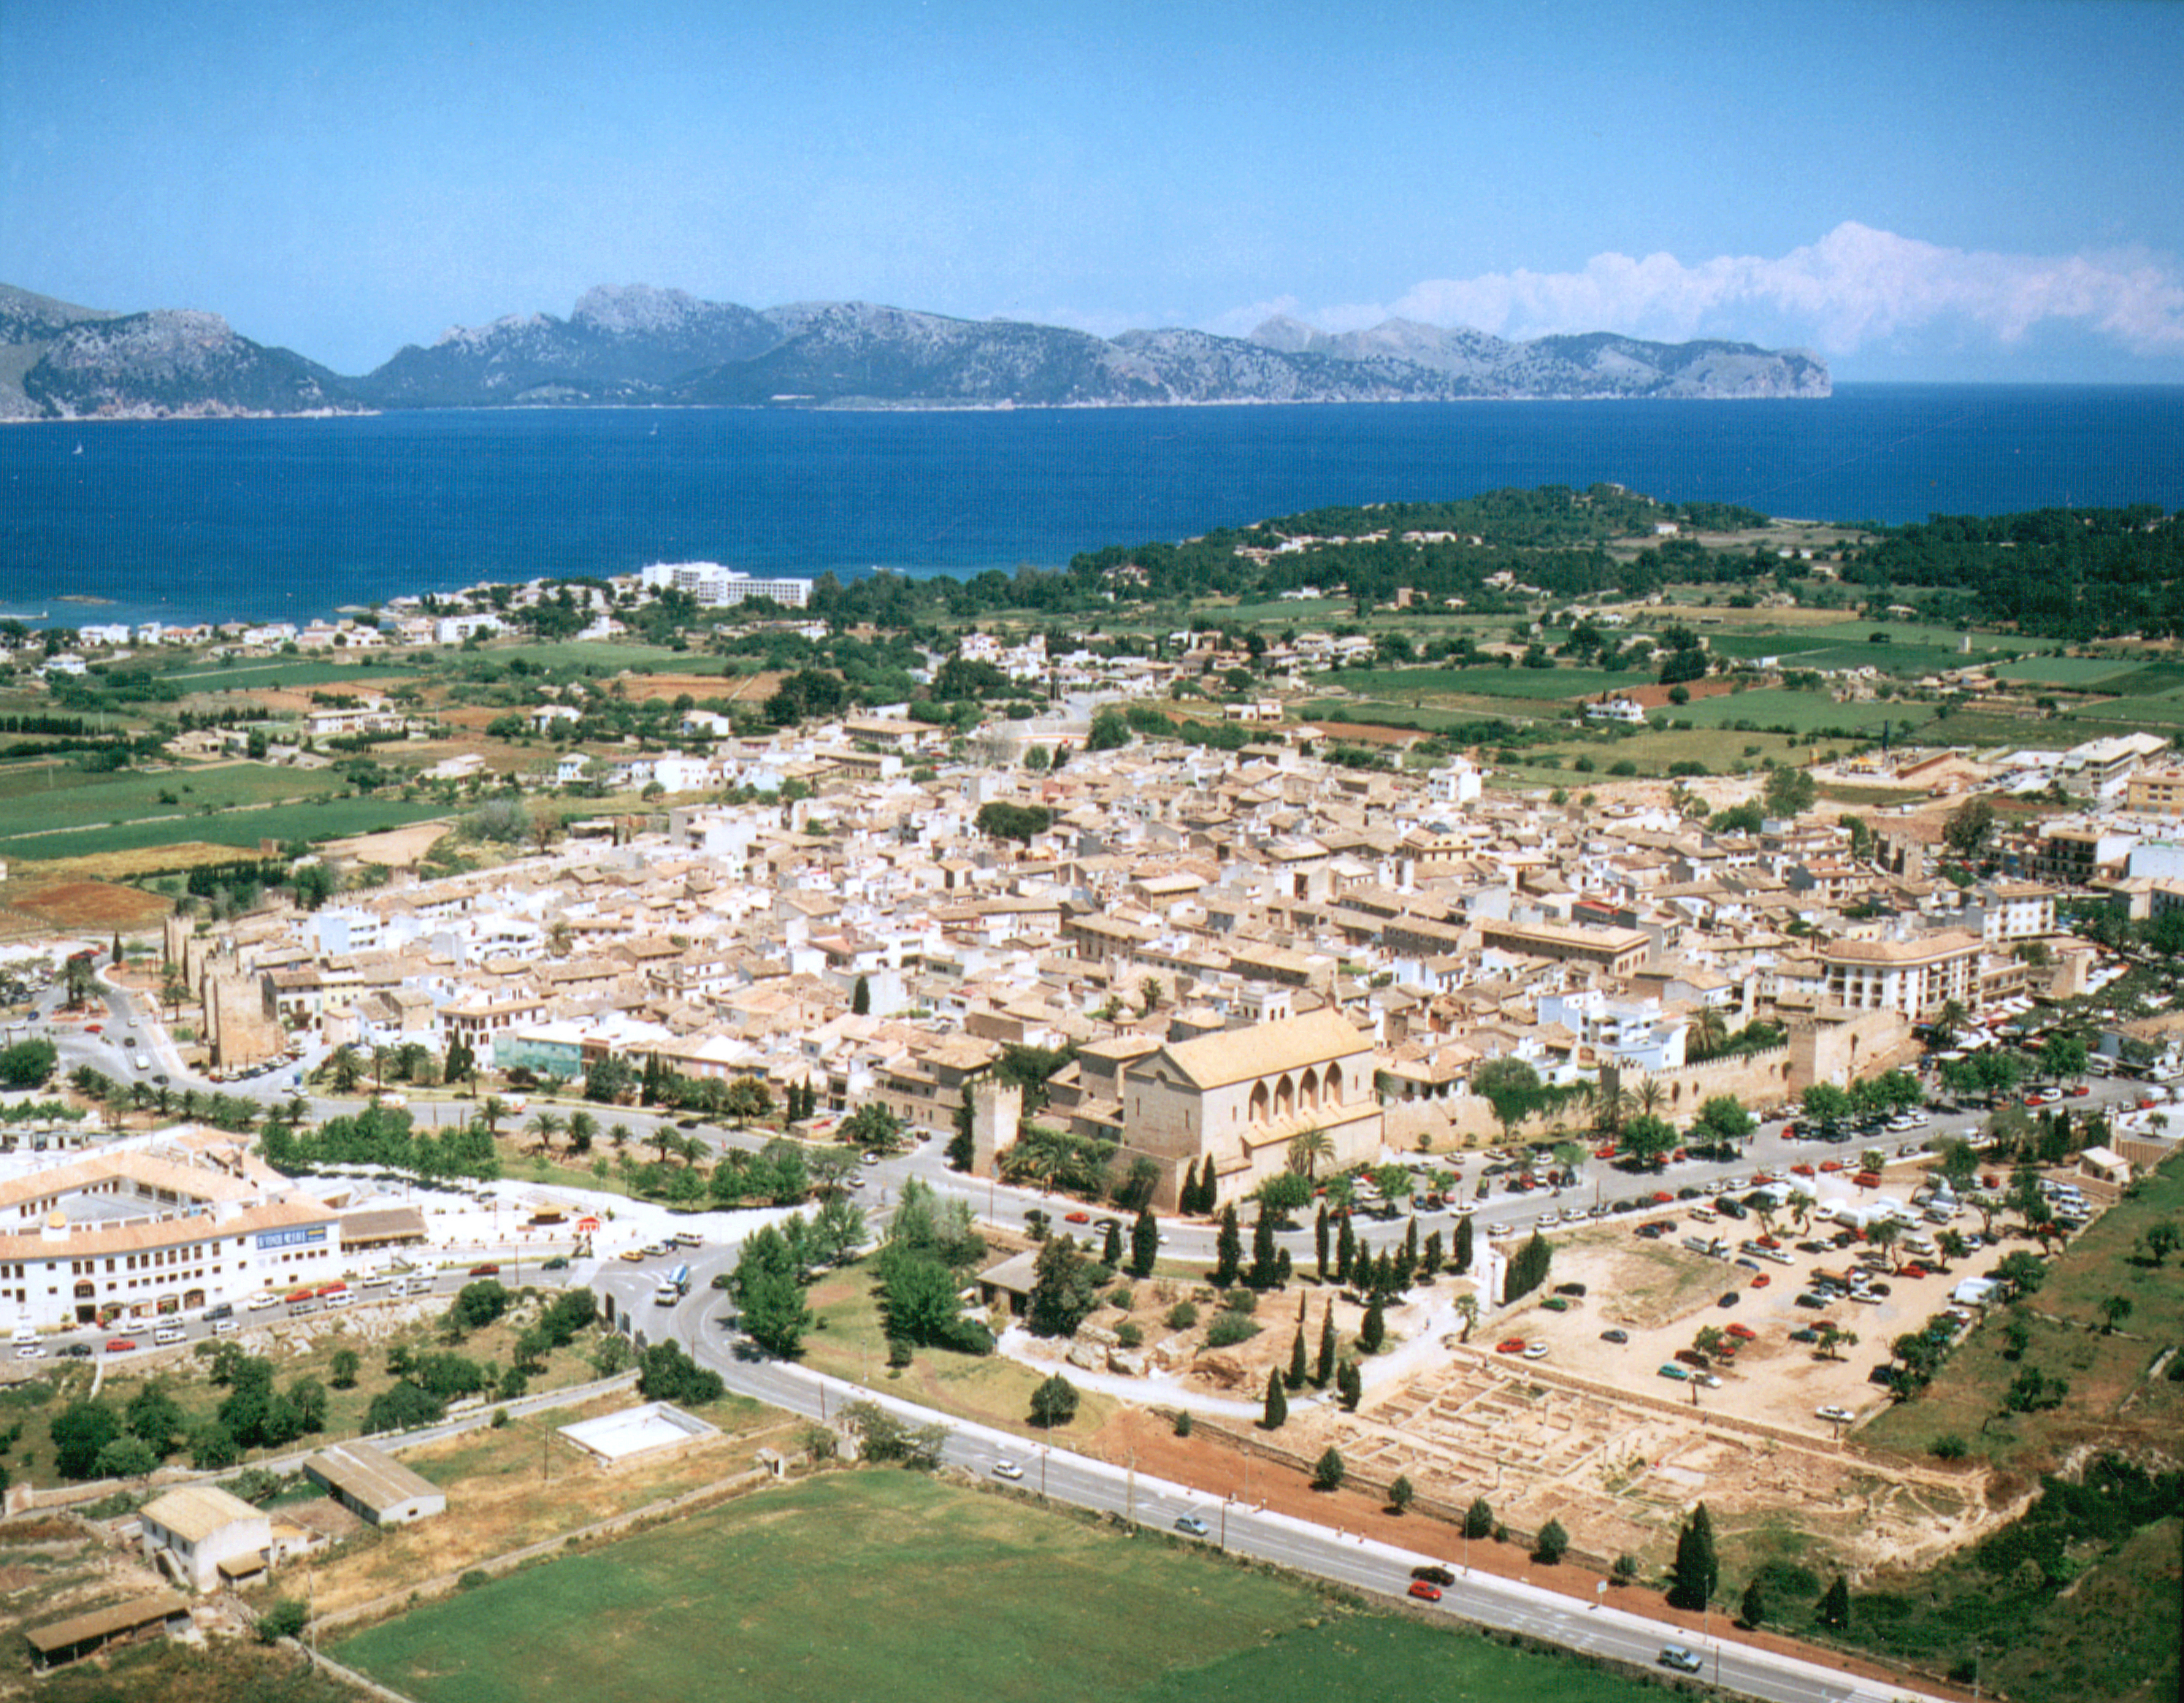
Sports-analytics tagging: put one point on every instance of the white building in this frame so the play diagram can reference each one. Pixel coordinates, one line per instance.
(1629, 711)
(190, 1532)
(717, 587)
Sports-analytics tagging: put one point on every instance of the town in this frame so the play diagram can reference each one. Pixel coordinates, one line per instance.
(1563, 1158)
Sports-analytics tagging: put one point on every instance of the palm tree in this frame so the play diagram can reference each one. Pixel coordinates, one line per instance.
(491, 1110)
(1650, 1096)
(1307, 1148)
(557, 937)
(1467, 1307)
(1801, 1206)
(1949, 1020)
(620, 1135)
(546, 1125)
(380, 1059)
(1883, 1234)
(1711, 1029)
(583, 1127)
(1609, 1109)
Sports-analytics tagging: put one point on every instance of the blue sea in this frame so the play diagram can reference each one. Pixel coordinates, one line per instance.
(184, 520)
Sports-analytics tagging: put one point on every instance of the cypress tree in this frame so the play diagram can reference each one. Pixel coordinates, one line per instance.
(1835, 1606)
(1326, 1367)
(1754, 1610)
(1349, 1383)
(1410, 1259)
(1478, 1519)
(1430, 1255)
(1373, 1332)
(1461, 1263)
(1383, 1276)
(1553, 1543)
(1110, 1249)
(861, 999)
(1264, 1271)
(1282, 1268)
(1186, 1195)
(1345, 1252)
(1229, 1249)
(1319, 1240)
(1697, 1570)
(1277, 1413)
(1293, 1378)
(1145, 1243)
(1327, 1473)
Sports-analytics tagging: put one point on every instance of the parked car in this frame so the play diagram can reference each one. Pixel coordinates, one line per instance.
(1676, 1372)
(1615, 1336)
(1729, 1299)
(1514, 1345)
(121, 1345)
(488, 1270)
(1743, 1332)
(1841, 1416)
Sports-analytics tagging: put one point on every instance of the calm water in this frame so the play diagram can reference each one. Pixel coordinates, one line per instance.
(292, 518)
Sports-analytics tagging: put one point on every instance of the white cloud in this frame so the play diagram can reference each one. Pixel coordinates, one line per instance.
(1855, 286)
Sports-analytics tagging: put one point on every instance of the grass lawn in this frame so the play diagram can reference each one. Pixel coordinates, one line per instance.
(881, 1583)
(2131, 712)
(1722, 750)
(286, 671)
(850, 1344)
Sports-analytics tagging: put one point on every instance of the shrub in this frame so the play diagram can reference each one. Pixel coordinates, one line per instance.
(1951, 1447)
(283, 1618)
(1129, 1335)
(1328, 1473)
(1623, 766)
(1229, 1329)
(1181, 1316)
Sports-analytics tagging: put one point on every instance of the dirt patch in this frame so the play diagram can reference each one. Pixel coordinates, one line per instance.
(86, 904)
(398, 848)
(1369, 733)
(122, 865)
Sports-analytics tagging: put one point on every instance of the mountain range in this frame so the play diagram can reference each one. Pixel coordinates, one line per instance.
(637, 346)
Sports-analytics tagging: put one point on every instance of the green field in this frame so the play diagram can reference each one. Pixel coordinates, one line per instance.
(263, 673)
(2068, 671)
(2131, 712)
(326, 819)
(1774, 707)
(37, 798)
(1490, 683)
(2111, 1395)
(886, 1585)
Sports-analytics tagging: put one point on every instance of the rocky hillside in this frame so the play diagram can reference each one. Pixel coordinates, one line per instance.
(60, 362)
(642, 346)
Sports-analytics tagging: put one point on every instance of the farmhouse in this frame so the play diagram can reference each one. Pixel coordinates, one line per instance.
(200, 1532)
(372, 1483)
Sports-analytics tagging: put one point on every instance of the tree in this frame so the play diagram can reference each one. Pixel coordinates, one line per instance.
(1511, 1086)
(1966, 833)
(1062, 1294)
(1307, 1148)
(1551, 1545)
(1528, 1269)
(1460, 1262)
(775, 1315)
(285, 1618)
(1229, 1249)
(1145, 1243)
(1327, 1472)
(1752, 1611)
(1724, 1117)
(1648, 1139)
(2115, 1309)
(1401, 1495)
(28, 1063)
(1299, 1366)
(79, 1431)
(1788, 792)
(962, 1144)
(1826, 1105)
(1110, 1247)
(1697, 1570)
(1349, 1385)
(1054, 1403)
(1110, 731)
(1373, 1334)
(1478, 1519)
(861, 999)
(1835, 1606)
(345, 1365)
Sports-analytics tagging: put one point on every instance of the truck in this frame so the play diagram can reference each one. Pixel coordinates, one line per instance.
(673, 1287)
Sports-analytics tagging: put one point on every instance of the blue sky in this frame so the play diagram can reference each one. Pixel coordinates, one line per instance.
(1968, 191)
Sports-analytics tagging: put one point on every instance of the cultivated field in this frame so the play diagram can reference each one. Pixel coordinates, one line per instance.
(885, 1584)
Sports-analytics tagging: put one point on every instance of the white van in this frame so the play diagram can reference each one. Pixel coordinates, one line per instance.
(167, 1335)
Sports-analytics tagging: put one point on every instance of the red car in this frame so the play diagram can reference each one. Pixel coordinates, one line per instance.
(1767, 1242)
(1762, 1280)
(2080, 1092)
(1079, 1218)
(93, 1029)
(1662, 1197)
(121, 1345)
(1914, 1270)
(1743, 1332)
(485, 1272)
(1801, 1170)
(1830, 1165)
(1424, 1591)
(1515, 1345)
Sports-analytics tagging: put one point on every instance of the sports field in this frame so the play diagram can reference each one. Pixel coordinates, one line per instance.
(879, 1583)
